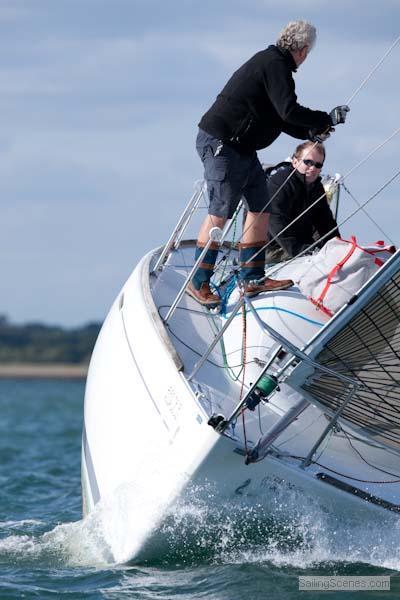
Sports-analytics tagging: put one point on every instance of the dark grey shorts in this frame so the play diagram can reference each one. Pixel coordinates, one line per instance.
(229, 176)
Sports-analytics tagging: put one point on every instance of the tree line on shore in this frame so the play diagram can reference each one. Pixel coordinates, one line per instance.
(40, 343)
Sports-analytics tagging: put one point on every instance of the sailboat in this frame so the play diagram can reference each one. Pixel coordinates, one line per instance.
(267, 393)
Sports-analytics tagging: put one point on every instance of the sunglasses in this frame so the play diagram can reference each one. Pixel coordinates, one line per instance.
(312, 163)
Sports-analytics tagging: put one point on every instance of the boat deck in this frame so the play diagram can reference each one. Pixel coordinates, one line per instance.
(344, 458)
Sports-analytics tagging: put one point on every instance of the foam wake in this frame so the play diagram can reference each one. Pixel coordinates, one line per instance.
(291, 532)
(201, 529)
(69, 544)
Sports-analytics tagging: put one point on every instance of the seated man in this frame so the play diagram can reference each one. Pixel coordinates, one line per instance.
(302, 189)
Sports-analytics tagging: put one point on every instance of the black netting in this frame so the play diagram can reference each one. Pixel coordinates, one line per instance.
(367, 350)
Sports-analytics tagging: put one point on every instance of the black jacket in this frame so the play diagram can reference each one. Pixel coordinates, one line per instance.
(259, 102)
(294, 197)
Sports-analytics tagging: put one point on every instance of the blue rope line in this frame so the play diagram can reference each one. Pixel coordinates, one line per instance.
(226, 295)
(289, 312)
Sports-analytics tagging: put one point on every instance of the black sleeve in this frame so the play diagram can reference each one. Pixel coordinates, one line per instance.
(280, 86)
(300, 133)
(281, 212)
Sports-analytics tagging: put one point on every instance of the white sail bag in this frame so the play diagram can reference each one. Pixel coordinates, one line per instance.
(334, 274)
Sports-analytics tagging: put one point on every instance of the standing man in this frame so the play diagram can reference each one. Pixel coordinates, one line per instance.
(256, 105)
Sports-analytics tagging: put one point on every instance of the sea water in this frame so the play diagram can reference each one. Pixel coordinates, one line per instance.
(48, 551)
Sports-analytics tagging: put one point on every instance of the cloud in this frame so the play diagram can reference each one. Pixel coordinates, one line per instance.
(100, 103)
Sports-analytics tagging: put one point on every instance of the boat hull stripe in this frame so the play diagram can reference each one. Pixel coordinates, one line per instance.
(341, 485)
(140, 374)
(94, 488)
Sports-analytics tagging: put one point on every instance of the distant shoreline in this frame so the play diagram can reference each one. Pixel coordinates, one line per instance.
(42, 371)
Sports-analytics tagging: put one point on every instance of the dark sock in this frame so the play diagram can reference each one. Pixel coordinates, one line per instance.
(206, 267)
(252, 268)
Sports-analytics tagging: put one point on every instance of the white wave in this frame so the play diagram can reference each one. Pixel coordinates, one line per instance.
(105, 537)
(17, 524)
(68, 544)
(344, 545)
(293, 533)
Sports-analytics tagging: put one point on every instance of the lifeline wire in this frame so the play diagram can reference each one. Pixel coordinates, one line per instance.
(371, 154)
(314, 462)
(339, 225)
(322, 196)
(269, 200)
(385, 235)
(372, 71)
(365, 460)
(272, 198)
(266, 205)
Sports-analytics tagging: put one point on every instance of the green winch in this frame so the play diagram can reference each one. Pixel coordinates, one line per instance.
(262, 390)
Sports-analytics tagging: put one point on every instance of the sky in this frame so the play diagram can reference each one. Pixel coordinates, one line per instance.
(100, 101)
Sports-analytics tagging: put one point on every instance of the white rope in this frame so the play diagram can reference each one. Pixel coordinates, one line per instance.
(372, 71)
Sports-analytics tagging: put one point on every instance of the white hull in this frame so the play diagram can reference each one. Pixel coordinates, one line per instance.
(146, 437)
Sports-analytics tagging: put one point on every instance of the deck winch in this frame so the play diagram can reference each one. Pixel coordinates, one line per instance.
(262, 390)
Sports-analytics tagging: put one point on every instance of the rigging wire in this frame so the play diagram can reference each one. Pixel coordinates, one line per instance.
(225, 257)
(323, 196)
(372, 71)
(229, 369)
(368, 215)
(273, 197)
(360, 207)
(244, 350)
(385, 185)
(325, 444)
(362, 161)
(312, 246)
(208, 360)
(314, 462)
(365, 460)
(298, 433)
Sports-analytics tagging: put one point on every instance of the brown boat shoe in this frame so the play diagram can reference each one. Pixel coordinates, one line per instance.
(204, 295)
(252, 288)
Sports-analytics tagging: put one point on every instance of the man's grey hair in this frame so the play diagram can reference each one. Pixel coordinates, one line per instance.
(296, 35)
